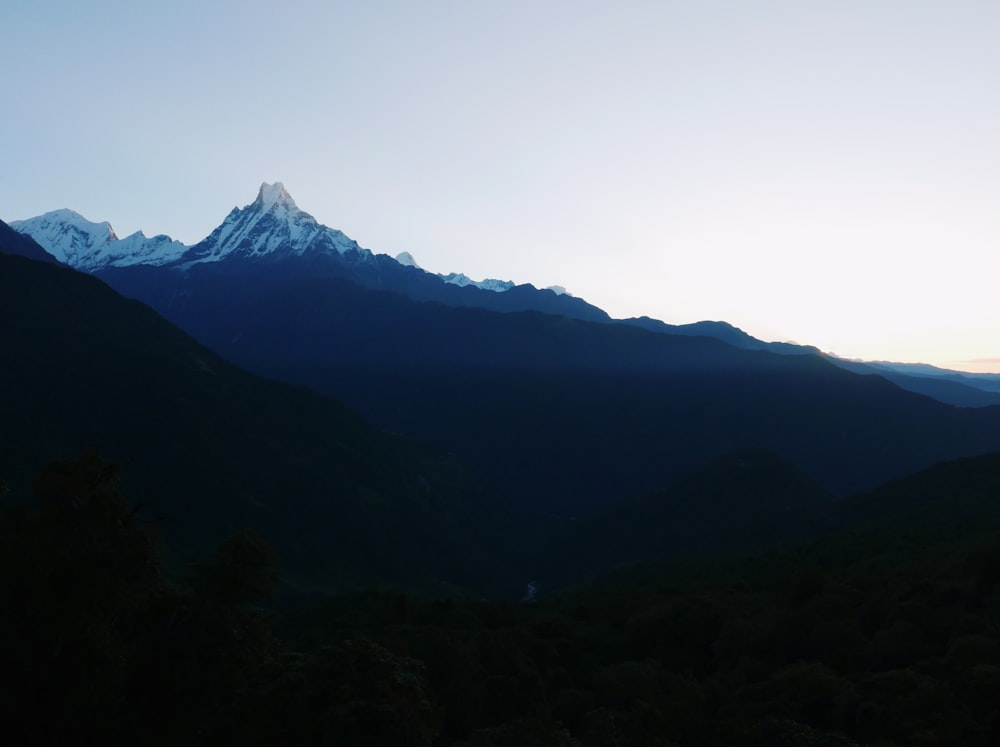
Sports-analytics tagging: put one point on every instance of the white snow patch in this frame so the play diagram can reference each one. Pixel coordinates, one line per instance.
(406, 259)
(490, 284)
(89, 246)
(271, 224)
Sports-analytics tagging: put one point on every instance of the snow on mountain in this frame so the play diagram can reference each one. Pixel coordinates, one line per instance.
(88, 246)
(491, 284)
(67, 235)
(406, 259)
(274, 224)
(271, 224)
(138, 249)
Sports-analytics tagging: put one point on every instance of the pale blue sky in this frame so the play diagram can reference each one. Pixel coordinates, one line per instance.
(826, 172)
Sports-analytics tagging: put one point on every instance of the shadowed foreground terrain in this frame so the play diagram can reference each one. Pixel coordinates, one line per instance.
(212, 449)
(883, 634)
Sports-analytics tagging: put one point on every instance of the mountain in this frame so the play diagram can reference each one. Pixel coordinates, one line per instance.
(723, 331)
(754, 501)
(987, 382)
(68, 236)
(562, 413)
(567, 415)
(213, 449)
(491, 284)
(272, 226)
(273, 230)
(272, 234)
(90, 246)
(955, 498)
(953, 387)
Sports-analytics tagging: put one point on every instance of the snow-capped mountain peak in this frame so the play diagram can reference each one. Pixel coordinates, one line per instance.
(272, 225)
(139, 249)
(68, 236)
(491, 284)
(274, 194)
(406, 259)
(89, 246)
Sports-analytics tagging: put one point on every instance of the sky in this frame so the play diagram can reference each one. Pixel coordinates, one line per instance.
(820, 171)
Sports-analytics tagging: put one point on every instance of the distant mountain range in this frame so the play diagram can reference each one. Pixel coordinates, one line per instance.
(568, 419)
(562, 414)
(954, 387)
(89, 246)
(722, 541)
(272, 228)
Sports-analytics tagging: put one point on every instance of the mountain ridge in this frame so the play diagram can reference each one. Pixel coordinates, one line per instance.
(272, 224)
(90, 246)
(273, 228)
(562, 415)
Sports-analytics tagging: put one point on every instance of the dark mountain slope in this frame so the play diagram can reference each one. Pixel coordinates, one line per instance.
(741, 502)
(955, 389)
(944, 390)
(753, 501)
(988, 382)
(214, 448)
(705, 519)
(169, 290)
(566, 415)
(959, 497)
(164, 288)
(385, 273)
(12, 242)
